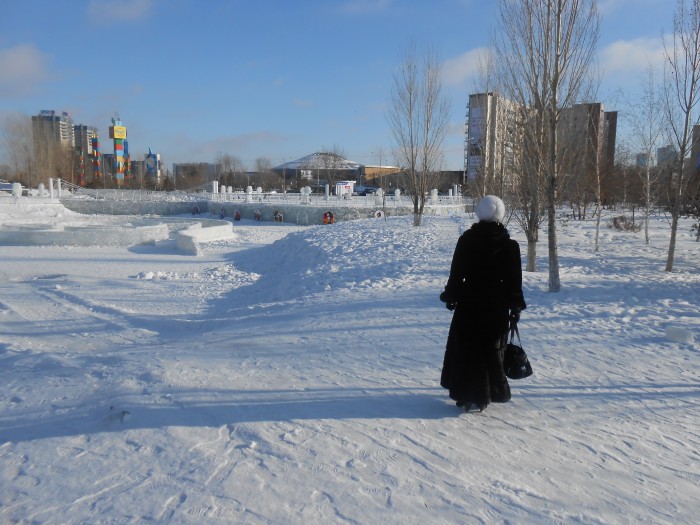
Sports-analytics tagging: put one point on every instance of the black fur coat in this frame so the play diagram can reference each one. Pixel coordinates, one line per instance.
(485, 283)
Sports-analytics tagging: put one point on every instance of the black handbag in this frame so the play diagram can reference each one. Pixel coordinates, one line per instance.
(516, 365)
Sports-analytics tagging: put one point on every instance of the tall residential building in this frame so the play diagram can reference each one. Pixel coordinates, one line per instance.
(84, 136)
(666, 155)
(108, 165)
(694, 161)
(490, 135)
(587, 139)
(52, 127)
(642, 160)
(53, 137)
(494, 135)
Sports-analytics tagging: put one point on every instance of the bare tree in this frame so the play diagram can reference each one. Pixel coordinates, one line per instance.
(283, 179)
(682, 83)
(546, 49)
(585, 155)
(521, 89)
(17, 143)
(596, 141)
(225, 162)
(628, 165)
(238, 169)
(497, 163)
(232, 169)
(331, 161)
(44, 152)
(263, 165)
(64, 160)
(529, 195)
(263, 169)
(482, 127)
(647, 127)
(418, 116)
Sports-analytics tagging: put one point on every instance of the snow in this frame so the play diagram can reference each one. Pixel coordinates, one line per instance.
(290, 375)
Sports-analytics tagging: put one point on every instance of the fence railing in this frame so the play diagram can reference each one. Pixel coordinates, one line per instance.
(72, 191)
(365, 201)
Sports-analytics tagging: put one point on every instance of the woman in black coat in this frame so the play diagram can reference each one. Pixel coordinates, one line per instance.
(484, 290)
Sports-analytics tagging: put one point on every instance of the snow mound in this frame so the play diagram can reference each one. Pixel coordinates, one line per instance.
(291, 375)
(680, 335)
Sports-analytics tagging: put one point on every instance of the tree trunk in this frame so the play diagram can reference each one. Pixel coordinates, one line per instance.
(684, 61)
(597, 230)
(554, 282)
(674, 232)
(647, 207)
(531, 264)
(417, 216)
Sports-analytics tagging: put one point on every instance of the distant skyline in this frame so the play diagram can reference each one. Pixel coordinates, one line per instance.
(194, 79)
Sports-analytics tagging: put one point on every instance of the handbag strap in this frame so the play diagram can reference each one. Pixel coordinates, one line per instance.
(514, 331)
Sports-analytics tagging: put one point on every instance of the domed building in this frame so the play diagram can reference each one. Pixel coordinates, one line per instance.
(318, 169)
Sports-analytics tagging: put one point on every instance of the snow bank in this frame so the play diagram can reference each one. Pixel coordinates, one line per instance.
(291, 375)
(83, 235)
(38, 221)
(203, 231)
(680, 335)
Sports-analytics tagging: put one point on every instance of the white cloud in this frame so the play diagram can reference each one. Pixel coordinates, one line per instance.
(23, 67)
(109, 11)
(456, 71)
(631, 56)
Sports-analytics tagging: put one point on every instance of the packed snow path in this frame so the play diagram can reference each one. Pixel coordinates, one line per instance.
(291, 376)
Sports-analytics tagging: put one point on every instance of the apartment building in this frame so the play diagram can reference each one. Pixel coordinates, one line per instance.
(494, 135)
(50, 126)
(84, 138)
(490, 136)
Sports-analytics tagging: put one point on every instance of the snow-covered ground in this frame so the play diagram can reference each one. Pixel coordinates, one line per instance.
(290, 376)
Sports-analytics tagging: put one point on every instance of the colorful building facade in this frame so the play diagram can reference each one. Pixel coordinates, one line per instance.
(117, 132)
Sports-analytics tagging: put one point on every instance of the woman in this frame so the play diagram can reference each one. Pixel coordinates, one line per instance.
(485, 291)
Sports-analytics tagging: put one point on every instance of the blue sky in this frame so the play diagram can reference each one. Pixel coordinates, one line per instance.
(192, 79)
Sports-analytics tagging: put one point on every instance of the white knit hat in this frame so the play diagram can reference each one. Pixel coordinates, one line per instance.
(491, 209)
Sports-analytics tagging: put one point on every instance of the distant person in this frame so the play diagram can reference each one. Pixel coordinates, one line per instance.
(484, 290)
